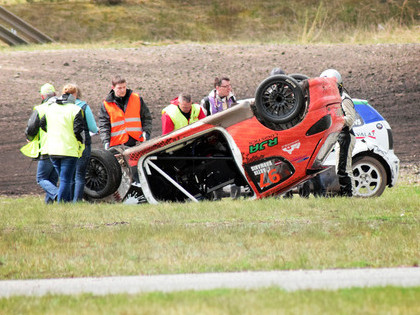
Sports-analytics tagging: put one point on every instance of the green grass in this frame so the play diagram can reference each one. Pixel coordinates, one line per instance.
(137, 22)
(389, 300)
(40, 241)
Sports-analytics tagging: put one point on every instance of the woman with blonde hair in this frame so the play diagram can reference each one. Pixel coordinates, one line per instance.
(89, 127)
(64, 124)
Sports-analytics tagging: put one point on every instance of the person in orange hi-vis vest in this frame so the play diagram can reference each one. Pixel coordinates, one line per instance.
(124, 118)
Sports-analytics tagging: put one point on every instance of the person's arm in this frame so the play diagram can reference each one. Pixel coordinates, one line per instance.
(167, 124)
(79, 127)
(43, 123)
(104, 126)
(90, 119)
(146, 118)
(201, 115)
(232, 98)
(349, 112)
(32, 128)
(205, 104)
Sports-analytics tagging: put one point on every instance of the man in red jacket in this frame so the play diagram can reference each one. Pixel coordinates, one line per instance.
(180, 113)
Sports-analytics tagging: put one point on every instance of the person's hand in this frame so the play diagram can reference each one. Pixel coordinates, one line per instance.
(106, 146)
(146, 136)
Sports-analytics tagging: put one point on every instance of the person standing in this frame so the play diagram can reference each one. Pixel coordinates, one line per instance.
(124, 118)
(46, 175)
(220, 98)
(346, 138)
(64, 124)
(180, 113)
(89, 127)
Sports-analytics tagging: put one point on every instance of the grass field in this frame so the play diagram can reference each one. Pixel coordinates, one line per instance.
(39, 241)
(374, 301)
(138, 22)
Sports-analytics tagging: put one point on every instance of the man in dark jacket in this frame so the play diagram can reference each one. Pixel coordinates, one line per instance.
(46, 176)
(124, 118)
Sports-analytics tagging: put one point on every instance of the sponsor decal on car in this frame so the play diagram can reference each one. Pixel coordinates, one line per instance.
(289, 148)
(270, 172)
(300, 159)
(363, 134)
(262, 145)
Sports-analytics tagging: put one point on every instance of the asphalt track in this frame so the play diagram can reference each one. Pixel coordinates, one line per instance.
(287, 280)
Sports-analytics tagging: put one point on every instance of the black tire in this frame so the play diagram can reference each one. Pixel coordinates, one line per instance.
(279, 102)
(103, 174)
(299, 77)
(370, 177)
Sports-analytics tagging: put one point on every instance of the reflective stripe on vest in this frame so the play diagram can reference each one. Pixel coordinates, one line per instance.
(178, 119)
(125, 124)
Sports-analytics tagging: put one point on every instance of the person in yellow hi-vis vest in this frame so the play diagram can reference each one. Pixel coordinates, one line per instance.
(180, 113)
(46, 176)
(64, 123)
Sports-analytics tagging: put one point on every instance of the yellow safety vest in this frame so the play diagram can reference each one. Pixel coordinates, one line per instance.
(37, 145)
(178, 118)
(61, 140)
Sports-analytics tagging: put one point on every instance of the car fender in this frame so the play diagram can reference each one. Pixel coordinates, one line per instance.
(393, 163)
(366, 147)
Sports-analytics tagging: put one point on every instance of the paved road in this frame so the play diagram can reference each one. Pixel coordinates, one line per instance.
(287, 280)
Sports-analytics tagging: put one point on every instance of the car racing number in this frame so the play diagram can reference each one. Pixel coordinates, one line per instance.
(267, 173)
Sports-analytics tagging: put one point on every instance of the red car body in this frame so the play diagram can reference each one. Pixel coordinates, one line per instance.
(246, 146)
(270, 161)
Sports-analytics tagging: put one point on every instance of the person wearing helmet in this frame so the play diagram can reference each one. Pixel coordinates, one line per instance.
(346, 139)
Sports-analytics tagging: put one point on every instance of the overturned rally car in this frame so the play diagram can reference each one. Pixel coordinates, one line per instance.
(265, 145)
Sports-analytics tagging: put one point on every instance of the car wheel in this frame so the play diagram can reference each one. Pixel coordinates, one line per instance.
(103, 174)
(370, 177)
(279, 102)
(299, 77)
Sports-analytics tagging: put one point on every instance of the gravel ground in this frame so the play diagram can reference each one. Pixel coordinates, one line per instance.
(386, 75)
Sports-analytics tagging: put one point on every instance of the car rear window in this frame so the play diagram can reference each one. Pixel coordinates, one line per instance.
(367, 113)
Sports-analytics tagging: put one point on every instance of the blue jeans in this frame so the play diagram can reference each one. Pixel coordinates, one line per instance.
(79, 179)
(47, 178)
(65, 168)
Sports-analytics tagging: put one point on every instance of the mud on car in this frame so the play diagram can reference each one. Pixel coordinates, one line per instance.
(267, 145)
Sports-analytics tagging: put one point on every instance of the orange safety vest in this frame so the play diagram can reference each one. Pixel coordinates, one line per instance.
(125, 124)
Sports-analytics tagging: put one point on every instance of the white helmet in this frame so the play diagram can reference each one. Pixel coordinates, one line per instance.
(332, 73)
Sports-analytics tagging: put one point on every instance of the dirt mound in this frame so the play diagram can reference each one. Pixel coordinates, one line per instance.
(386, 75)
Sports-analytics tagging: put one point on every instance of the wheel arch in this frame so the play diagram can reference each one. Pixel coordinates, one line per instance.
(380, 159)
